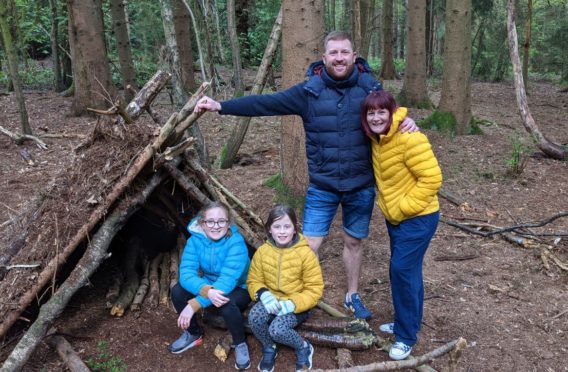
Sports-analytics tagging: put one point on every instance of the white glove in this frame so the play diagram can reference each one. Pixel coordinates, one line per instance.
(270, 302)
(286, 307)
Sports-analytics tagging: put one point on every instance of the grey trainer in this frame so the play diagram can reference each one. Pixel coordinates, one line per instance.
(242, 357)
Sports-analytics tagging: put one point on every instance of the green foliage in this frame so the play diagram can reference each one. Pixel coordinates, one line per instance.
(261, 21)
(105, 361)
(519, 156)
(284, 194)
(444, 122)
(36, 77)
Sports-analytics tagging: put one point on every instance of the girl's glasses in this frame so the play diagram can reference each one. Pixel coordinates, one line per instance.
(212, 223)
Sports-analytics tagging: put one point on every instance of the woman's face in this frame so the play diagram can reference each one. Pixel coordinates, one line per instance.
(379, 120)
(282, 230)
(215, 223)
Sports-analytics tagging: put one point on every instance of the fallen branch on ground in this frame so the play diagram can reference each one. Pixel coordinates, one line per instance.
(20, 138)
(66, 352)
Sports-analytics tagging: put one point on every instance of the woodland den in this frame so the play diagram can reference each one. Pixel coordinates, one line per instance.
(323, 185)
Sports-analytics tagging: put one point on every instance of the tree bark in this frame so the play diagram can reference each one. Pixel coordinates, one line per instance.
(54, 36)
(456, 82)
(356, 24)
(388, 71)
(235, 50)
(237, 136)
(414, 92)
(12, 58)
(302, 32)
(548, 147)
(184, 35)
(91, 71)
(120, 28)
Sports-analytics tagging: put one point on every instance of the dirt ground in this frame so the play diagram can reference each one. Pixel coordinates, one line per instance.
(507, 302)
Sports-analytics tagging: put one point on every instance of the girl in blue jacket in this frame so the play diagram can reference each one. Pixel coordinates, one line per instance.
(213, 271)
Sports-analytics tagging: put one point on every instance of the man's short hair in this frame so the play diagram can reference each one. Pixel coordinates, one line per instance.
(338, 36)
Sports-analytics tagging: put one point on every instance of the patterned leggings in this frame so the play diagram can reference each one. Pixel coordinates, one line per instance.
(269, 328)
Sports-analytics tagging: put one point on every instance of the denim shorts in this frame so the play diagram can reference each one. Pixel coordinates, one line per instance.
(321, 205)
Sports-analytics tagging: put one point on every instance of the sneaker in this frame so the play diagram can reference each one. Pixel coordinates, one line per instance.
(269, 355)
(304, 357)
(242, 358)
(185, 341)
(387, 328)
(356, 306)
(399, 351)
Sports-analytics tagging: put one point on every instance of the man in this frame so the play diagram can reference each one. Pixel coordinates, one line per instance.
(338, 152)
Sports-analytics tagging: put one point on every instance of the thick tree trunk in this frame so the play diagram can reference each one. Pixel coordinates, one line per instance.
(91, 71)
(414, 92)
(120, 28)
(388, 71)
(367, 26)
(184, 34)
(302, 32)
(237, 136)
(456, 82)
(544, 144)
(12, 59)
(356, 23)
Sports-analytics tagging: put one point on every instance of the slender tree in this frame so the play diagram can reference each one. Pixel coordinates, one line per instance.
(91, 71)
(12, 59)
(302, 32)
(414, 92)
(527, 43)
(54, 35)
(356, 23)
(387, 69)
(235, 49)
(120, 28)
(456, 82)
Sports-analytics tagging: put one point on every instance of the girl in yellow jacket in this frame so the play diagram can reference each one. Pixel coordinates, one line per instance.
(408, 179)
(285, 278)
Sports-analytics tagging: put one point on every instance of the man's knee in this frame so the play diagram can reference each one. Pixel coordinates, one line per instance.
(314, 242)
(352, 244)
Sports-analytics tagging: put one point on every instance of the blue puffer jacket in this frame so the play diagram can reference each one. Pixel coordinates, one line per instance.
(338, 152)
(205, 263)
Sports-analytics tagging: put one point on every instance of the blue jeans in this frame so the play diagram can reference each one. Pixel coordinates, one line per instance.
(231, 311)
(408, 244)
(321, 206)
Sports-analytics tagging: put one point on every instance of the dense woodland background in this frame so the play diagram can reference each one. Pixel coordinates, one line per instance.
(486, 80)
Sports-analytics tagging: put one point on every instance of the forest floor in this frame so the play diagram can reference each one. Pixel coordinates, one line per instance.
(507, 302)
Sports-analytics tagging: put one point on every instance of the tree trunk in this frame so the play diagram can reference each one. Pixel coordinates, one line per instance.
(238, 134)
(356, 24)
(302, 31)
(235, 49)
(120, 28)
(527, 44)
(184, 34)
(430, 30)
(332, 14)
(215, 15)
(91, 72)
(456, 82)
(12, 58)
(549, 148)
(387, 69)
(198, 41)
(414, 92)
(242, 9)
(367, 26)
(54, 35)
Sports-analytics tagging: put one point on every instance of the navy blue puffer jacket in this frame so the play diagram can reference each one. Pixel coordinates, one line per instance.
(338, 152)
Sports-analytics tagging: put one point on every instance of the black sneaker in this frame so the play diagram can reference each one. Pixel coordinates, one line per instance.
(269, 355)
(304, 357)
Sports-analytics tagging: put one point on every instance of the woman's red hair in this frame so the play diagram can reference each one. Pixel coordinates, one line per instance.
(375, 101)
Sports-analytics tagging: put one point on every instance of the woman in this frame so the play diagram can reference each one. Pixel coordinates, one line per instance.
(408, 178)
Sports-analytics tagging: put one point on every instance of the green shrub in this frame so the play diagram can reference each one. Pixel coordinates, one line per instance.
(105, 361)
(519, 157)
(283, 194)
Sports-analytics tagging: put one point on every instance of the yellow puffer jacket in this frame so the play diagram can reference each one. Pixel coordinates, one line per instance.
(289, 273)
(407, 173)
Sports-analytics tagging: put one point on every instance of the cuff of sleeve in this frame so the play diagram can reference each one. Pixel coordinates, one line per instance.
(260, 292)
(195, 305)
(204, 290)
